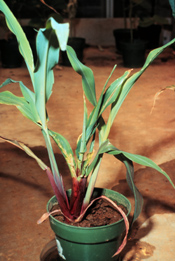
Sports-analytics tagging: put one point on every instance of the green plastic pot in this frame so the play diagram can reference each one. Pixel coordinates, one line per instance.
(89, 244)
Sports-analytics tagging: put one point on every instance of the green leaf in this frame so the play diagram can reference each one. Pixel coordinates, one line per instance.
(15, 27)
(127, 159)
(86, 73)
(95, 116)
(48, 41)
(29, 96)
(130, 180)
(42, 74)
(148, 163)
(110, 149)
(91, 184)
(113, 91)
(100, 152)
(83, 147)
(153, 55)
(22, 105)
(61, 31)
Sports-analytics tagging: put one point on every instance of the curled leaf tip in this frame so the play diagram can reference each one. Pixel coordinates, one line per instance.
(46, 215)
(43, 218)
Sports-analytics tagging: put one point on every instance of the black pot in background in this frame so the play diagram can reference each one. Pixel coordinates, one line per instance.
(78, 45)
(123, 35)
(133, 53)
(10, 55)
(151, 34)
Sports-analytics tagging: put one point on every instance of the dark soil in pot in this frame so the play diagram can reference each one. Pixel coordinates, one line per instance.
(101, 213)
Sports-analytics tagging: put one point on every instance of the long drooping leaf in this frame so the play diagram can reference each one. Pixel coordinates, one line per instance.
(144, 161)
(27, 150)
(148, 163)
(127, 159)
(86, 73)
(24, 46)
(130, 180)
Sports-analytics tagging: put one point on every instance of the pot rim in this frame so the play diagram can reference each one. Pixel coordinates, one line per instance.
(127, 205)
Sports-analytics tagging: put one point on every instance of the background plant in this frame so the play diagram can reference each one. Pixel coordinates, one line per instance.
(85, 162)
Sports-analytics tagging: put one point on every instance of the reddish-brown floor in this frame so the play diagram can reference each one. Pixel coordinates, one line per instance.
(24, 188)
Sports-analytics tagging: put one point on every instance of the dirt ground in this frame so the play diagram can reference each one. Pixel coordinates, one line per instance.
(24, 188)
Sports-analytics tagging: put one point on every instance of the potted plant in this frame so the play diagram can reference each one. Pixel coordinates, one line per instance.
(133, 48)
(150, 23)
(124, 34)
(95, 243)
(132, 42)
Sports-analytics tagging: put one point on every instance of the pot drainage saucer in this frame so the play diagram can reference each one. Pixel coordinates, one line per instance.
(50, 252)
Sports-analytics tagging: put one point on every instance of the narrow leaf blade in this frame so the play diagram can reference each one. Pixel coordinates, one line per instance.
(86, 73)
(66, 150)
(15, 27)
